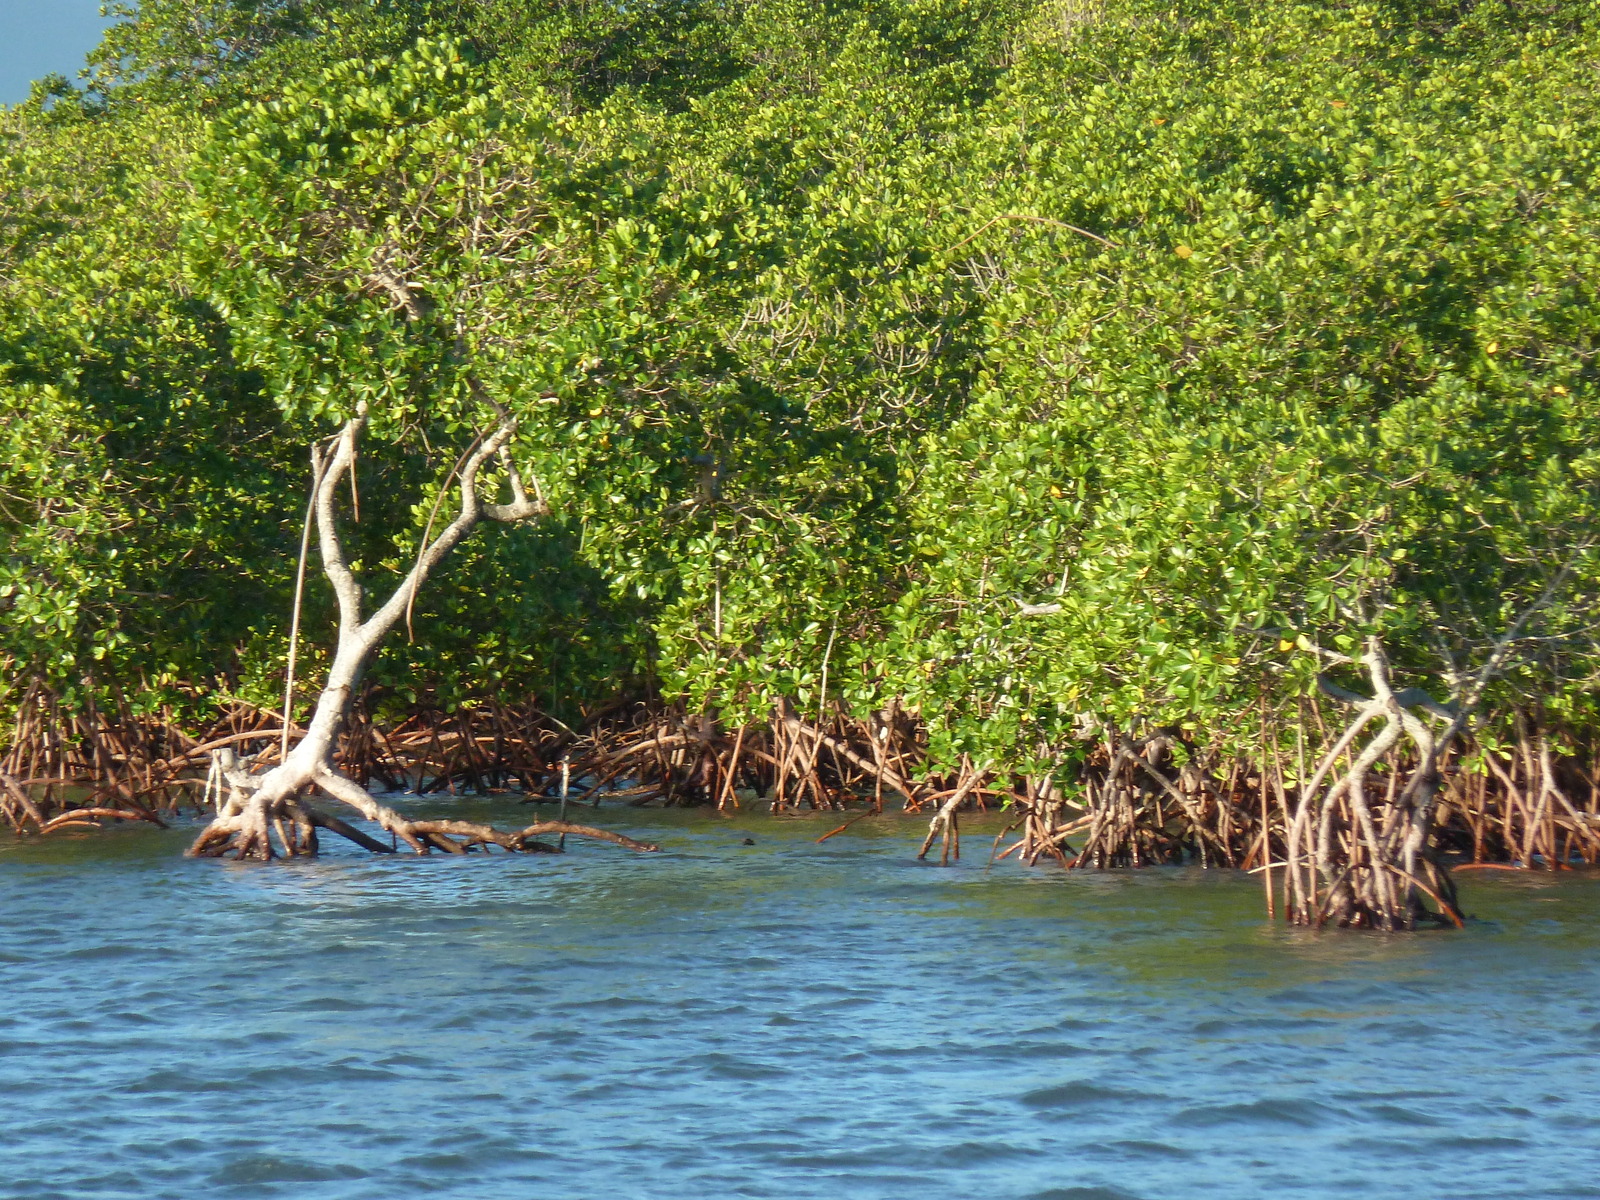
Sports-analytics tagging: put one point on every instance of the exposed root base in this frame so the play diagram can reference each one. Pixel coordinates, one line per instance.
(1357, 899)
(266, 819)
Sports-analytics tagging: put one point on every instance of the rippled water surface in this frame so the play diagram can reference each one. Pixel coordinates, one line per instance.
(777, 1019)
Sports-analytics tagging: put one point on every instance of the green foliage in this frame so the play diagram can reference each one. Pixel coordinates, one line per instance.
(135, 452)
(171, 44)
(1327, 383)
(1039, 364)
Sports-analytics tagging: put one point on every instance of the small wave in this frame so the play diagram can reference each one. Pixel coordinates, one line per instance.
(258, 1168)
(330, 1073)
(1395, 1114)
(453, 1164)
(1133, 1148)
(1023, 1051)
(1079, 1095)
(1256, 1025)
(908, 1154)
(1299, 1114)
(1476, 1144)
(328, 1004)
(111, 950)
(159, 1082)
(727, 1066)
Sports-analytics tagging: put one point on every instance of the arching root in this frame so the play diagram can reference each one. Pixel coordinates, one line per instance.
(1360, 858)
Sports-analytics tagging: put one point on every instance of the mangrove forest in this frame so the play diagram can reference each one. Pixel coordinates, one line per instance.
(1172, 427)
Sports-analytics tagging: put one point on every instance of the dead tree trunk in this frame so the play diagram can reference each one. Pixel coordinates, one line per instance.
(266, 814)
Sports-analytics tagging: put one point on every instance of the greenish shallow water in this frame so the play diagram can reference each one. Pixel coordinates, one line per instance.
(779, 1019)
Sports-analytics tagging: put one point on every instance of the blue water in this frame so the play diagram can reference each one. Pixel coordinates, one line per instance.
(780, 1019)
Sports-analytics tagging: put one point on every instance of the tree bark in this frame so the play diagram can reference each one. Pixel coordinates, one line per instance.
(1351, 864)
(261, 810)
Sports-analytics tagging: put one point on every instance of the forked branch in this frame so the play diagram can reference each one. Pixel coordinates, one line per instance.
(267, 808)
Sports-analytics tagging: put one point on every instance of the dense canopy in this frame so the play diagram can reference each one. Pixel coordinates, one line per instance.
(1039, 365)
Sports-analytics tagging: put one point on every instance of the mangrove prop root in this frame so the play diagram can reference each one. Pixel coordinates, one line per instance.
(1361, 829)
(1523, 806)
(945, 822)
(18, 805)
(1355, 858)
(111, 814)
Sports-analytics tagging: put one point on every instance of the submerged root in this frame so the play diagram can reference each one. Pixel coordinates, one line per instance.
(266, 817)
(946, 823)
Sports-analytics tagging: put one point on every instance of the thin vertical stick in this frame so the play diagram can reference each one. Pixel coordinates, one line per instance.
(1283, 807)
(733, 771)
(566, 779)
(355, 497)
(780, 788)
(822, 697)
(1300, 804)
(816, 742)
(1266, 821)
(299, 595)
(877, 755)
